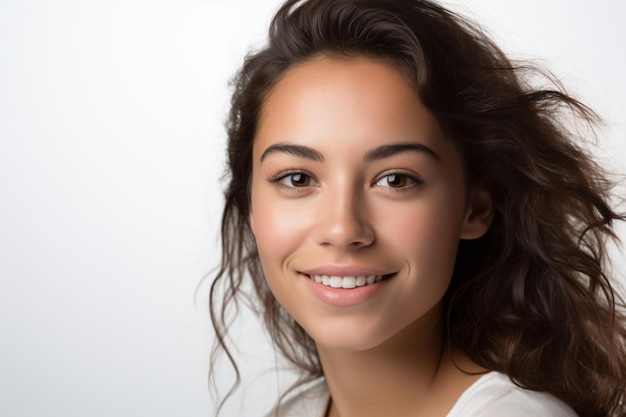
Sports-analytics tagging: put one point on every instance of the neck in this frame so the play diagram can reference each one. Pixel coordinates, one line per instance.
(404, 376)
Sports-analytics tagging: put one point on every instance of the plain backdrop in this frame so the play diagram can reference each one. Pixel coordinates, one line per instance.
(111, 151)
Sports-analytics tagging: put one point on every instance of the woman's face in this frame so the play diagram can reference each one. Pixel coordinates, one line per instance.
(354, 185)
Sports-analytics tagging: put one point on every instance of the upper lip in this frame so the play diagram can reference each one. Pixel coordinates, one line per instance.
(344, 271)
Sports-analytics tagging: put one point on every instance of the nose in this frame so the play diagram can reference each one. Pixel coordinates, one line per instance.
(343, 221)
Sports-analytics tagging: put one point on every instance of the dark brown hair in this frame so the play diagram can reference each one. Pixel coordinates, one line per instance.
(532, 297)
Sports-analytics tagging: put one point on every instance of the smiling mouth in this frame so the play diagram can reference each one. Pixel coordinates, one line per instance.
(348, 282)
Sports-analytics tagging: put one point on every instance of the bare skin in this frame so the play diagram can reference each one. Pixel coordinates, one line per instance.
(353, 177)
(410, 376)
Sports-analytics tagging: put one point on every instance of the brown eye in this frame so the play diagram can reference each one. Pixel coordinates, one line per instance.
(295, 180)
(298, 180)
(397, 180)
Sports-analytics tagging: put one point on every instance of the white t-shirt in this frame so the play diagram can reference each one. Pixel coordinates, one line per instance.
(492, 395)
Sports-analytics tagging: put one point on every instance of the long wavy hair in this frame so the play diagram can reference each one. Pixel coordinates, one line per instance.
(531, 298)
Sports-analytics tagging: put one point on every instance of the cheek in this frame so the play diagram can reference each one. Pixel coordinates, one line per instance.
(424, 226)
(279, 233)
(278, 229)
(426, 234)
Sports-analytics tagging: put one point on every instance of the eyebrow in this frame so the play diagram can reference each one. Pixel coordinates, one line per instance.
(387, 151)
(382, 152)
(295, 150)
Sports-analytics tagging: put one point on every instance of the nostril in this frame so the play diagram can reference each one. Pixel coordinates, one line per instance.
(359, 244)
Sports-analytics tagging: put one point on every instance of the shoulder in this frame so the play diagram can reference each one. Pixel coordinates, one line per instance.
(494, 395)
(309, 402)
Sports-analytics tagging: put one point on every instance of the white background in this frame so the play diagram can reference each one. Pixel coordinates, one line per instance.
(111, 149)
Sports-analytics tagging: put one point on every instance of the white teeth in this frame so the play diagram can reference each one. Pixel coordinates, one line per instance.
(349, 282)
(335, 281)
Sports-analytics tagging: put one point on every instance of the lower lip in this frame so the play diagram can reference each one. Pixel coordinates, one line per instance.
(344, 297)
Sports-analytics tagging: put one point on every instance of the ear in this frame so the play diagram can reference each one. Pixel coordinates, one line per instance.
(479, 214)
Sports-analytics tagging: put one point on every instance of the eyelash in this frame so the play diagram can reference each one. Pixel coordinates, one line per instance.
(411, 178)
(290, 173)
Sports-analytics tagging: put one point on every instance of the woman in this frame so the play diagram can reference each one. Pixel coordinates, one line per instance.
(422, 232)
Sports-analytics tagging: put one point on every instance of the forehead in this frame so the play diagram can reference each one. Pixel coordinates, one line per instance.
(341, 99)
(349, 78)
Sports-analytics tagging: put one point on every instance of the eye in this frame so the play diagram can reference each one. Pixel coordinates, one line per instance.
(294, 179)
(397, 180)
